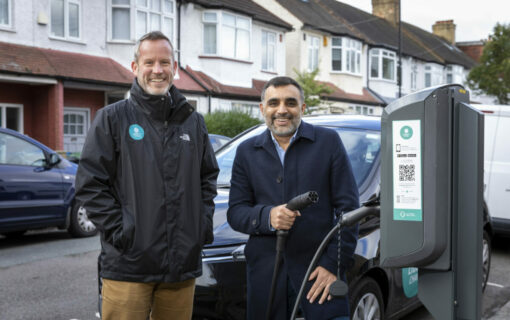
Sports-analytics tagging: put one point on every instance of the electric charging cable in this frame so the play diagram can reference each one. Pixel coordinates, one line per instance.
(338, 288)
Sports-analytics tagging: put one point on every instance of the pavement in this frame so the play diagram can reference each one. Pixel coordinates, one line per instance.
(502, 314)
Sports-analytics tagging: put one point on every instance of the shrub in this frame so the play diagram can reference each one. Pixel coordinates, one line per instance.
(229, 123)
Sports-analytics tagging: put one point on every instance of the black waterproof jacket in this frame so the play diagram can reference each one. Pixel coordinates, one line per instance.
(147, 178)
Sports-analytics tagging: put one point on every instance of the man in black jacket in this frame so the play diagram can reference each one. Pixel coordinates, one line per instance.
(147, 178)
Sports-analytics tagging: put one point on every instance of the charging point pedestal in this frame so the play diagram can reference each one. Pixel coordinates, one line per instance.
(432, 196)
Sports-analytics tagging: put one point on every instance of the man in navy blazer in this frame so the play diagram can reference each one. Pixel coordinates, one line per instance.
(288, 159)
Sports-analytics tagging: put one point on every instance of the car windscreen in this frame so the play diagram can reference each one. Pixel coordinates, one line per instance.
(362, 147)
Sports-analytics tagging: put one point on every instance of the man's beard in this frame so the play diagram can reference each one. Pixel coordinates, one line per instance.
(284, 131)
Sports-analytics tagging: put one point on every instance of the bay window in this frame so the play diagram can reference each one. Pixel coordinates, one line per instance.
(148, 15)
(226, 34)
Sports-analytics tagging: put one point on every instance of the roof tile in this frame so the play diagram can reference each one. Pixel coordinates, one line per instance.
(47, 62)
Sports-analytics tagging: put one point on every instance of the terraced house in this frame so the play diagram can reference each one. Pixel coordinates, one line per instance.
(62, 60)
(357, 52)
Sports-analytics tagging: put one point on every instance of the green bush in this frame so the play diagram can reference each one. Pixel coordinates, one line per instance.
(229, 123)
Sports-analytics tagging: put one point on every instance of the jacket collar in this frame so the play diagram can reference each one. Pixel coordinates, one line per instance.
(305, 131)
(159, 107)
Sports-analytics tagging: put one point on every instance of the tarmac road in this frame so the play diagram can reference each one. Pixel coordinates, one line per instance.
(50, 275)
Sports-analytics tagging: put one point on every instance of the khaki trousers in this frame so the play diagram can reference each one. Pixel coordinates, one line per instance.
(124, 300)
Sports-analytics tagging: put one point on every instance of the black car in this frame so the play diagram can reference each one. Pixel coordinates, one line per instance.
(37, 188)
(374, 292)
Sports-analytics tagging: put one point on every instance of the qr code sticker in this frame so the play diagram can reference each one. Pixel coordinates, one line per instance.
(406, 172)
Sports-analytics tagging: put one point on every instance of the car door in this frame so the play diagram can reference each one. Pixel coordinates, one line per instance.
(30, 192)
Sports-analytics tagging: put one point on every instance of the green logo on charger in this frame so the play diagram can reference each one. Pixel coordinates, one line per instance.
(406, 132)
(410, 281)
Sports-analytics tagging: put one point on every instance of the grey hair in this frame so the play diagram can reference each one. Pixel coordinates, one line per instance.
(153, 35)
(282, 81)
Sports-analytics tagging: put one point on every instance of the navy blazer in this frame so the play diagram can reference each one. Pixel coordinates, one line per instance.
(315, 161)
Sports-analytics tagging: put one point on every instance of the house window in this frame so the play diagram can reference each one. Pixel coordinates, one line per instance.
(65, 18)
(268, 50)
(414, 74)
(428, 76)
(362, 109)
(313, 53)
(346, 55)
(5, 13)
(449, 74)
(250, 108)
(210, 35)
(382, 64)
(154, 15)
(336, 54)
(149, 15)
(11, 117)
(232, 31)
(433, 75)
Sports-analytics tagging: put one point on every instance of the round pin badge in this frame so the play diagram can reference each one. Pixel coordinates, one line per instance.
(136, 132)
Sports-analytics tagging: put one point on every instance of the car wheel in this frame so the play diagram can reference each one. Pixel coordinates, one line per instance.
(367, 301)
(80, 225)
(486, 258)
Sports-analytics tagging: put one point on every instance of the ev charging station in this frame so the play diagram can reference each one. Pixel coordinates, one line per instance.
(432, 196)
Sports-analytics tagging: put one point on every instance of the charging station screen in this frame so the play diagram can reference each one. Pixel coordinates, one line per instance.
(407, 193)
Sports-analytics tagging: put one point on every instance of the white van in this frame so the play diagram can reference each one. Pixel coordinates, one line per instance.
(497, 165)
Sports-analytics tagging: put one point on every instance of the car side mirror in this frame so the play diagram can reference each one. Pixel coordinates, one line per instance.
(54, 159)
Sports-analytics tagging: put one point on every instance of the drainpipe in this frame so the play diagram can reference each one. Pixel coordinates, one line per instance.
(179, 33)
(368, 66)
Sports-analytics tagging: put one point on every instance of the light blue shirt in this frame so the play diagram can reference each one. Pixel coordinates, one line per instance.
(279, 150)
(281, 155)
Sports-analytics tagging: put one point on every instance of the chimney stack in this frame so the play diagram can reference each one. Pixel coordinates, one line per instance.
(386, 9)
(445, 29)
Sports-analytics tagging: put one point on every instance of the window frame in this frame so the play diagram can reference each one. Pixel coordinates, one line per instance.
(435, 73)
(66, 35)
(348, 48)
(133, 9)
(10, 24)
(220, 35)
(273, 68)
(362, 109)
(3, 115)
(381, 54)
(312, 46)
(414, 75)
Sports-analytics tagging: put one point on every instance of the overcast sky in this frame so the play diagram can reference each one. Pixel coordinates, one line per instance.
(475, 19)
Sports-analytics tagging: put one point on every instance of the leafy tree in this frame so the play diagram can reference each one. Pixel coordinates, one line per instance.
(313, 89)
(492, 75)
(229, 123)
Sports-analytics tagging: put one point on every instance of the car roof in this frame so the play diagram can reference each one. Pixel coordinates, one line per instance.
(346, 121)
(26, 138)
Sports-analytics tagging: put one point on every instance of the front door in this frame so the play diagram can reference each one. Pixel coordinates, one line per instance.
(76, 125)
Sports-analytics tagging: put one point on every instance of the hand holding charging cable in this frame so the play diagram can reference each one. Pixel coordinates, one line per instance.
(295, 204)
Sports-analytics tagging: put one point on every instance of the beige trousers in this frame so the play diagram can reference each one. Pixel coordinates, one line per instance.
(124, 300)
